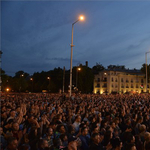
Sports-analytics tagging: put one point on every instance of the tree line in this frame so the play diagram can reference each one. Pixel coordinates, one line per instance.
(54, 80)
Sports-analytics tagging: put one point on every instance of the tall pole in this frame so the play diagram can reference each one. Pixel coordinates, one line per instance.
(71, 61)
(76, 77)
(64, 80)
(0, 74)
(146, 69)
(81, 18)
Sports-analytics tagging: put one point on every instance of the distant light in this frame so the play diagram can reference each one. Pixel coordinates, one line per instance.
(105, 73)
(31, 79)
(81, 18)
(79, 69)
(48, 78)
(7, 89)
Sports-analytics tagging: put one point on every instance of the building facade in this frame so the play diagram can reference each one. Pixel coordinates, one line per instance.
(120, 81)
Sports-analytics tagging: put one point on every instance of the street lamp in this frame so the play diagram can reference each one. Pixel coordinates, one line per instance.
(0, 73)
(146, 67)
(48, 78)
(78, 69)
(31, 79)
(81, 18)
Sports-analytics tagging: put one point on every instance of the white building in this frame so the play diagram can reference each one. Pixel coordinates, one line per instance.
(120, 81)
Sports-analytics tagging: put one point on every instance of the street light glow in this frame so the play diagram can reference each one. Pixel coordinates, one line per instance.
(7, 89)
(81, 18)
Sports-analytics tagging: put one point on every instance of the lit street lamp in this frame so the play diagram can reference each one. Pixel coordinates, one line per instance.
(146, 67)
(81, 18)
(48, 78)
(31, 79)
(78, 69)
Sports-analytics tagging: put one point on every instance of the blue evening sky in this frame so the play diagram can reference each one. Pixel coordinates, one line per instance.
(36, 35)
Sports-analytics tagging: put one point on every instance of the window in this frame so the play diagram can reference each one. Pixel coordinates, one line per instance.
(142, 81)
(131, 80)
(132, 86)
(98, 80)
(121, 79)
(112, 79)
(127, 80)
(105, 85)
(98, 85)
(137, 86)
(112, 85)
(116, 80)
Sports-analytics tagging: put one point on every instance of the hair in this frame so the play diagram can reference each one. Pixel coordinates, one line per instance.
(115, 142)
(77, 117)
(142, 128)
(70, 128)
(62, 136)
(82, 129)
(147, 136)
(139, 118)
(94, 135)
(41, 142)
(58, 127)
(130, 138)
(11, 139)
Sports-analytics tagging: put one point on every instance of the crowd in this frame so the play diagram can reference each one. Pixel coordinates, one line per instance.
(82, 122)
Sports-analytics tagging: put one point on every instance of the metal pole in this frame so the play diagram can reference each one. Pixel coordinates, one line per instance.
(71, 58)
(146, 69)
(0, 74)
(71, 62)
(64, 80)
(76, 77)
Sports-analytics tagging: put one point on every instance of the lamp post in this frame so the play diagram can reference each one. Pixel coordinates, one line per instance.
(146, 67)
(0, 73)
(80, 19)
(20, 82)
(78, 69)
(48, 78)
(31, 79)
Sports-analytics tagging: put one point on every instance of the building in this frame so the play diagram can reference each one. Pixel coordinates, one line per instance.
(120, 81)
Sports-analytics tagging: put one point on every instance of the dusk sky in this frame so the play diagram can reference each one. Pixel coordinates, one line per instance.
(36, 35)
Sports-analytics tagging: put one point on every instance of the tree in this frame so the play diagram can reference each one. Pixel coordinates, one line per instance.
(116, 67)
(85, 79)
(143, 70)
(97, 68)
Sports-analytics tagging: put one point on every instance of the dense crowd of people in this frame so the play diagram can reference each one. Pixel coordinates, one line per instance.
(82, 122)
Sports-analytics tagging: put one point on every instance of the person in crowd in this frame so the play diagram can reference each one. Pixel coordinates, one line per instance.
(95, 143)
(42, 144)
(84, 138)
(116, 144)
(12, 144)
(77, 123)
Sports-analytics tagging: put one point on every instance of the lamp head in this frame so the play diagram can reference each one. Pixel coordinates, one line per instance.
(81, 18)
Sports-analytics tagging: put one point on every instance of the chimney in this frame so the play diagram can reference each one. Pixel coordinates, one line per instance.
(86, 63)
